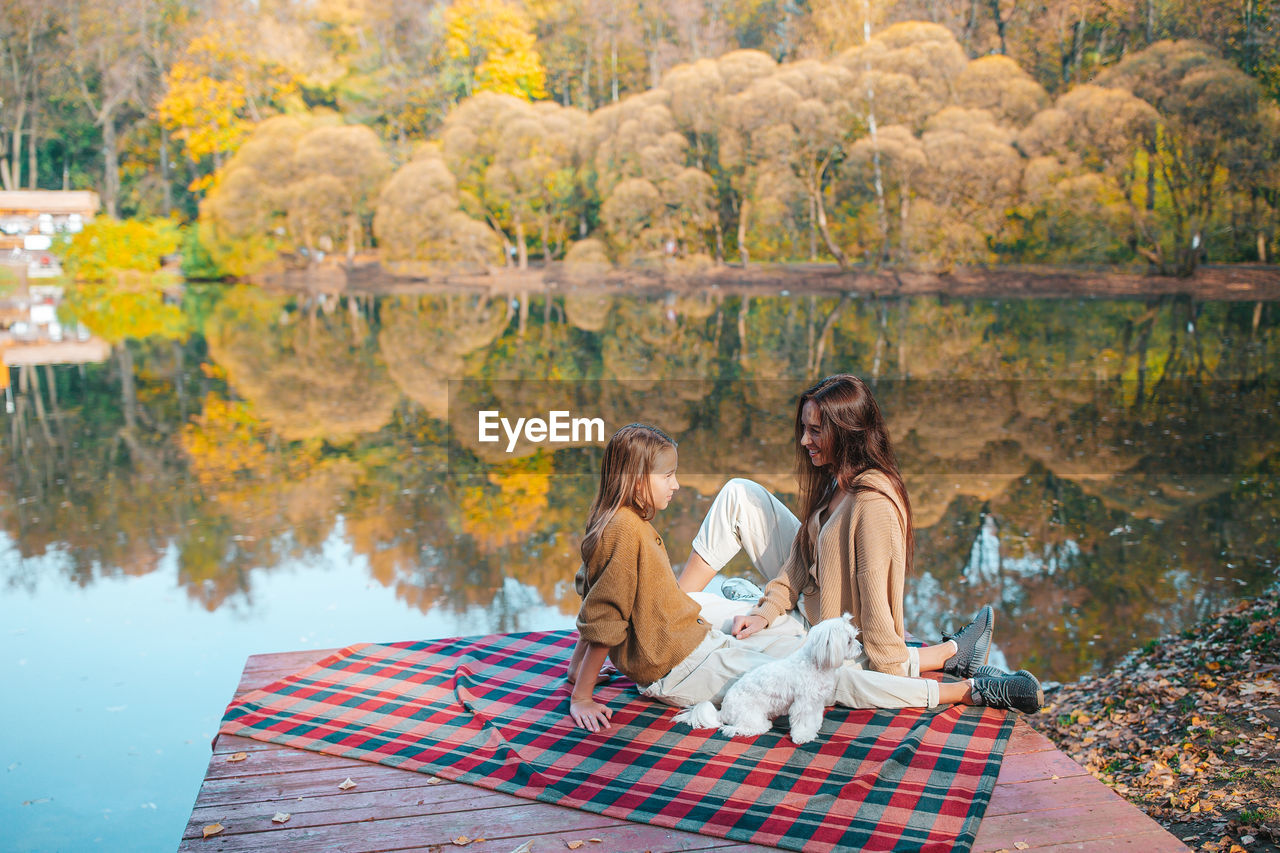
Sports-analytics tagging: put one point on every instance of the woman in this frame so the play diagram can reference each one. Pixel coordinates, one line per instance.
(854, 551)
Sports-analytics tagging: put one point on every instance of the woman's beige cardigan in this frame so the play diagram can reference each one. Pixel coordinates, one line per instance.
(860, 569)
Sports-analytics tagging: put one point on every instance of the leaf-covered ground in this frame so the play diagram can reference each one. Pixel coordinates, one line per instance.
(1186, 729)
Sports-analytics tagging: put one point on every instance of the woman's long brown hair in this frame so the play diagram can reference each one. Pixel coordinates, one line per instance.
(629, 458)
(854, 436)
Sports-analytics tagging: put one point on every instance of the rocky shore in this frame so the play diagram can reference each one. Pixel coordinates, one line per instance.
(1186, 728)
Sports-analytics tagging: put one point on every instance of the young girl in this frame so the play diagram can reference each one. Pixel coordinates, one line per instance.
(635, 614)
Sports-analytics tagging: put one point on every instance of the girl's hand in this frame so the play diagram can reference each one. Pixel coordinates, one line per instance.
(745, 626)
(589, 714)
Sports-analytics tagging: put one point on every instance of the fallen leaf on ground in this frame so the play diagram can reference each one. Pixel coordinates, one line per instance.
(347, 784)
(463, 841)
(213, 829)
(527, 847)
(434, 781)
(1259, 687)
(1022, 845)
(239, 756)
(280, 817)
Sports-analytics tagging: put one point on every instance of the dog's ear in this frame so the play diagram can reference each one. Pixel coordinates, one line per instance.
(831, 644)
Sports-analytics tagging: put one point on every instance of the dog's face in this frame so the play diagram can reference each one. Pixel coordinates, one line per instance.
(832, 642)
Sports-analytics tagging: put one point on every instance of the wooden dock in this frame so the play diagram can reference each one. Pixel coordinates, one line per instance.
(1043, 800)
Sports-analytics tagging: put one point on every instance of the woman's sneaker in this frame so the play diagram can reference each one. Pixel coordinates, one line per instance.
(973, 644)
(740, 589)
(1019, 691)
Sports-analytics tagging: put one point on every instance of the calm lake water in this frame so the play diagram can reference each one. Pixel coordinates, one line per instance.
(256, 472)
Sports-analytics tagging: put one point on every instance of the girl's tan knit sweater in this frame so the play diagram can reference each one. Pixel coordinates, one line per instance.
(632, 604)
(860, 569)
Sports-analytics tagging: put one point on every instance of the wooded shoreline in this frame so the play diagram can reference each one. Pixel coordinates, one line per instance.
(1233, 283)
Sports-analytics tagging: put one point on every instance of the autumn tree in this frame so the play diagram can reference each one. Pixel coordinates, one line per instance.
(215, 93)
(998, 85)
(419, 218)
(973, 177)
(901, 76)
(339, 173)
(517, 167)
(652, 201)
(392, 64)
(493, 43)
(1081, 184)
(27, 54)
(1212, 139)
(244, 218)
(703, 101)
(297, 183)
(105, 60)
(802, 118)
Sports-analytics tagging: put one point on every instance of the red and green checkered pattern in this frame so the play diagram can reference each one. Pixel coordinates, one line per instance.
(493, 711)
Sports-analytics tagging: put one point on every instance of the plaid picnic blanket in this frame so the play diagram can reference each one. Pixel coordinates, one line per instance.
(493, 711)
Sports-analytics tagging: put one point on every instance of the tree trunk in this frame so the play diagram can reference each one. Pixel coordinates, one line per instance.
(15, 150)
(613, 65)
(128, 391)
(742, 231)
(821, 210)
(818, 352)
(813, 230)
(33, 154)
(165, 181)
(1000, 25)
(522, 250)
(110, 165)
(881, 210)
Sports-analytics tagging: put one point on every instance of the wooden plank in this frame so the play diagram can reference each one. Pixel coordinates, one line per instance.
(1042, 798)
(1143, 842)
(305, 783)
(1027, 797)
(1024, 767)
(503, 828)
(1070, 825)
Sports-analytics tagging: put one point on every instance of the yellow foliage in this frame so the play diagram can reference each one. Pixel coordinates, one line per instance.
(211, 94)
(522, 486)
(231, 453)
(495, 40)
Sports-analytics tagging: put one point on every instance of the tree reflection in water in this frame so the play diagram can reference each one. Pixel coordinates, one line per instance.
(1102, 470)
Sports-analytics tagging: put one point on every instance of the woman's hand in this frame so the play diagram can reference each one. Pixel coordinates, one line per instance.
(745, 626)
(589, 714)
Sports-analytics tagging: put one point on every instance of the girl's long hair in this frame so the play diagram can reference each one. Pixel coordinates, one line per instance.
(855, 438)
(629, 458)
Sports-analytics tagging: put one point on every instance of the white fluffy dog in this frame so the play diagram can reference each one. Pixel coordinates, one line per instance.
(799, 685)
